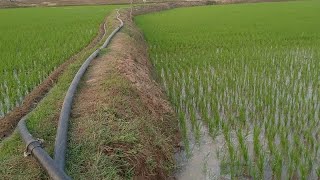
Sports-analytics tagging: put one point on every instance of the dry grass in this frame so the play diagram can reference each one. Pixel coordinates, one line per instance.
(121, 116)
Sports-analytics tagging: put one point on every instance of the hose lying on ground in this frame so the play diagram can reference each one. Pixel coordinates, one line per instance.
(34, 147)
(62, 132)
(55, 167)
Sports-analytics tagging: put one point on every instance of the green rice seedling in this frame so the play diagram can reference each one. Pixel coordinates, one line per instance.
(277, 165)
(216, 119)
(261, 164)
(256, 142)
(271, 144)
(197, 132)
(243, 147)
(192, 115)
(303, 171)
(318, 172)
(249, 68)
(291, 170)
(184, 129)
(35, 41)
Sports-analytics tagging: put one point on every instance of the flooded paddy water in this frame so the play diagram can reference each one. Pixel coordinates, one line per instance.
(245, 83)
(202, 161)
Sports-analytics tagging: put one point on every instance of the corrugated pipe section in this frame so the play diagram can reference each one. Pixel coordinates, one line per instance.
(55, 167)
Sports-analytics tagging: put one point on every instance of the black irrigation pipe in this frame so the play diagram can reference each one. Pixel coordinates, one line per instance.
(34, 147)
(55, 167)
(62, 132)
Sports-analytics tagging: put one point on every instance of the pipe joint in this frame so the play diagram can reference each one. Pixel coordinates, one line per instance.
(32, 145)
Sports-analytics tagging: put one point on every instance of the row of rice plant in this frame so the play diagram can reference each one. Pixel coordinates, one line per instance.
(35, 41)
(250, 72)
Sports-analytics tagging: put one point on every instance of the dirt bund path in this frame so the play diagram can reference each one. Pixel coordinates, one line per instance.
(9, 122)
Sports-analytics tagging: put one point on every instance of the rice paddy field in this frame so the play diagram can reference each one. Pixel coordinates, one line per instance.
(35, 41)
(248, 73)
